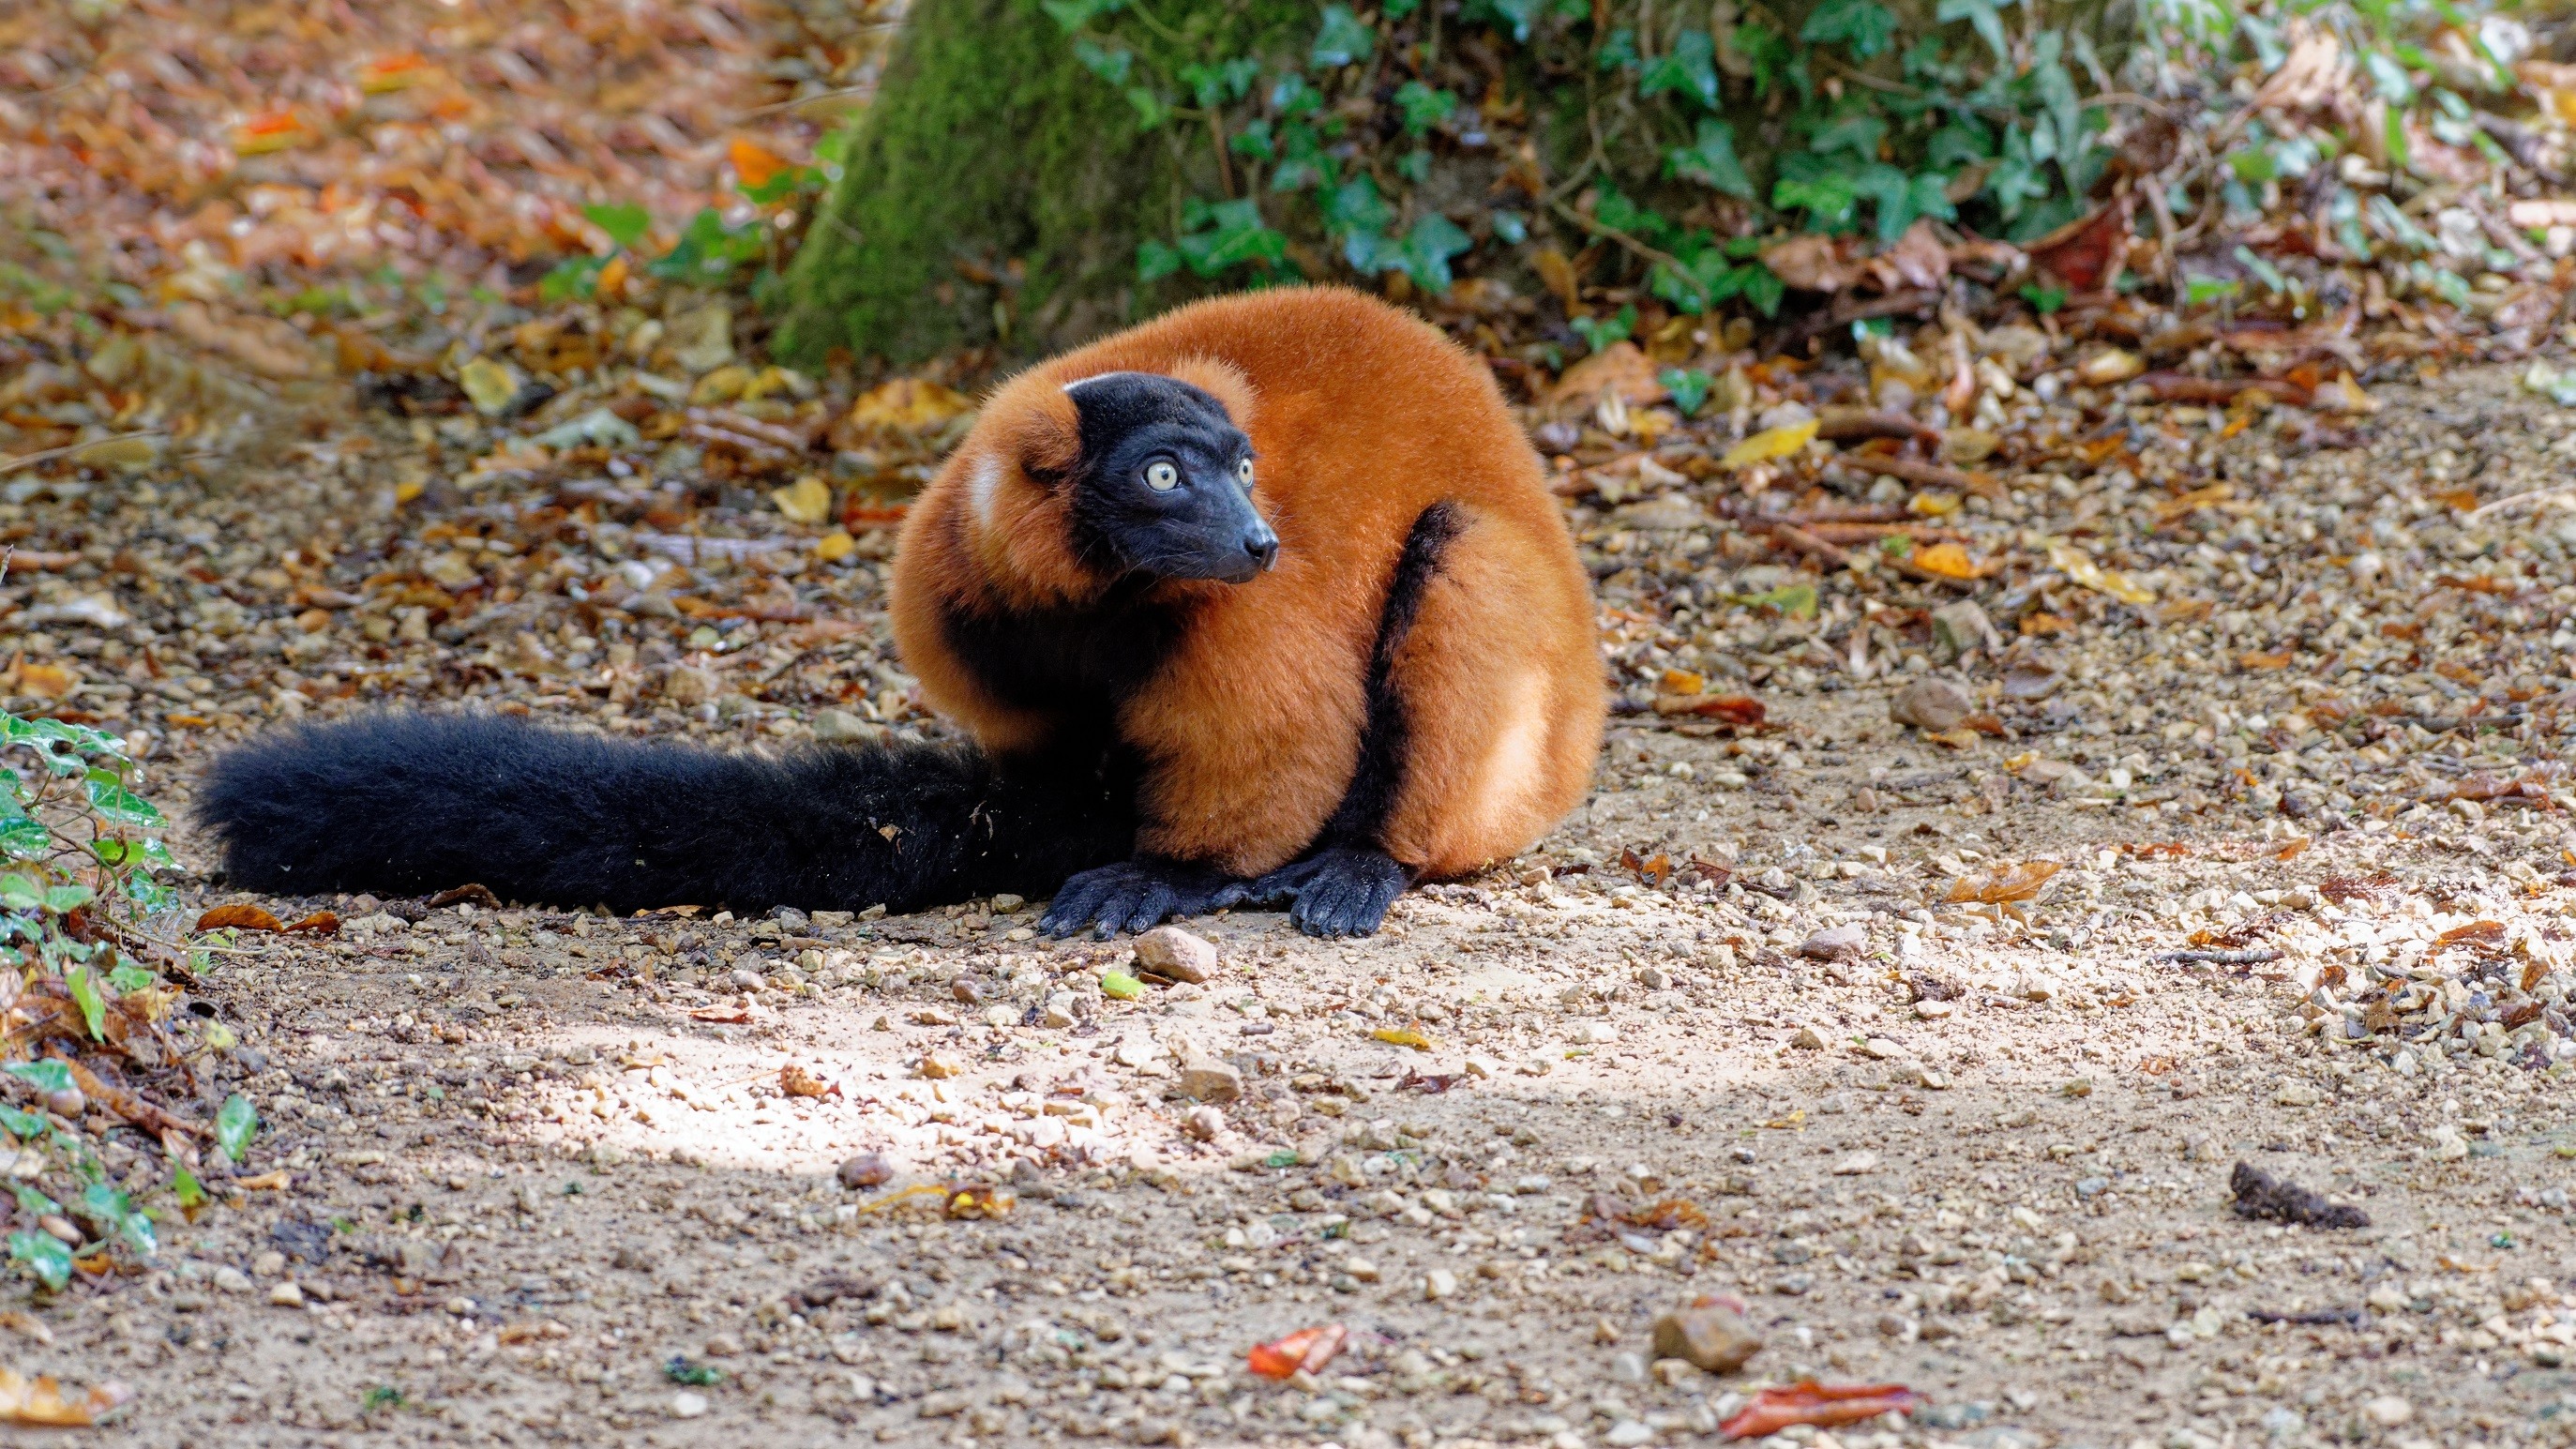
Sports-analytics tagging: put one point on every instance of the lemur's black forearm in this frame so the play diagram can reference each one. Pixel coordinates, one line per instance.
(406, 805)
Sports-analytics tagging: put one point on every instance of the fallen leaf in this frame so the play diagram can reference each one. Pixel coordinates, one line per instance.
(2072, 561)
(754, 163)
(1948, 560)
(1308, 1349)
(1811, 264)
(2108, 366)
(907, 405)
(2005, 883)
(795, 1081)
(45, 681)
(320, 923)
(1770, 443)
(981, 1201)
(1620, 371)
(270, 131)
(1735, 709)
(239, 918)
(488, 384)
(1823, 1405)
(1403, 1036)
(808, 500)
(276, 1181)
(39, 1401)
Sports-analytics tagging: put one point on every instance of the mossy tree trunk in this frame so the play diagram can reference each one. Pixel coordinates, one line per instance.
(997, 190)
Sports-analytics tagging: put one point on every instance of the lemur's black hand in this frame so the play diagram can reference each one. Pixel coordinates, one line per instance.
(1337, 891)
(1136, 895)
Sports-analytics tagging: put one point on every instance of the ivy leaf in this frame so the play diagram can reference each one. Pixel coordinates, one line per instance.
(2017, 178)
(1343, 39)
(1598, 335)
(1235, 236)
(23, 837)
(44, 1253)
(1075, 14)
(234, 1125)
(1689, 67)
(109, 797)
(62, 898)
(1865, 26)
(25, 1126)
(1255, 141)
(1355, 206)
(85, 994)
(1710, 160)
(1433, 240)
(1688, 386)
(1963, 142)
(105, 1204)
(48, 1076)
(191, 1193)
(127, 980)
(1619, 51)
(1515, 14)
(1983, 17)
(1423, 107)
(1151, 110)
(625, 222)
(1762, 287)
(1828, 199)
(1856, 131)
(1398, 9)
(1108, 62)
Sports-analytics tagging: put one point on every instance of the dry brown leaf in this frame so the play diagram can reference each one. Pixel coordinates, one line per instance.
(1620, 370)
(239, 918)
(1811, 264)
(2017, 881)
(795, 1081)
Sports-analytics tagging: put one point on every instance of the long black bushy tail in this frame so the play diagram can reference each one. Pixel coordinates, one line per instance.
(412, 804)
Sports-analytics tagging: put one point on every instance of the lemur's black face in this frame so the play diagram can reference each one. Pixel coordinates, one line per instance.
(1165, 480)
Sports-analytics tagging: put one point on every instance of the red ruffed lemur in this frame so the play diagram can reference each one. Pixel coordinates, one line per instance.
(1262, 601)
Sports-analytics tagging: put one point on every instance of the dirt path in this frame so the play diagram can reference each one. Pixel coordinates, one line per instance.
(540, 1182)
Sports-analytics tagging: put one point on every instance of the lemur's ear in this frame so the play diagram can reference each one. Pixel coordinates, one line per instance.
(1046, 438)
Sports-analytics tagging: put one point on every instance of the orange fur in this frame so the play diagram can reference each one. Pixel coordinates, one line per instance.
(1362, 417)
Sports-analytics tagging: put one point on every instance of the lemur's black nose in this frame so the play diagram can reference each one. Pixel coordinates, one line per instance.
(1262, 544)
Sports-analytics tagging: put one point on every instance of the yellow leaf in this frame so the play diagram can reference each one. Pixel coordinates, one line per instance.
(1771, 443)
(1403, 1036)
(908, 405)
(2343, 395)
(834, 546)
(42, 1401)
(808, 500)
(2017, 881)
(1932, 505)
(2075, 565)
(1682, 681)
(489, 384)
(2107, 367)
(1948, 560)
(46, 681)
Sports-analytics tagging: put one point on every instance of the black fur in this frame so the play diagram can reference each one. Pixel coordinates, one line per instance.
(1073, 665)
(1202, 524)
(406, 805)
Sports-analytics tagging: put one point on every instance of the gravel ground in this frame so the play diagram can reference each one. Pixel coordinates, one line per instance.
(1785, 1012)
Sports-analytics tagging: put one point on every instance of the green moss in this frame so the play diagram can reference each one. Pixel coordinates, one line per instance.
(990, 144)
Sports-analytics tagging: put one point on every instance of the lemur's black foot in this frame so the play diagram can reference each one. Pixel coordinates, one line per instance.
(1136, 895)
(1337, 891)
